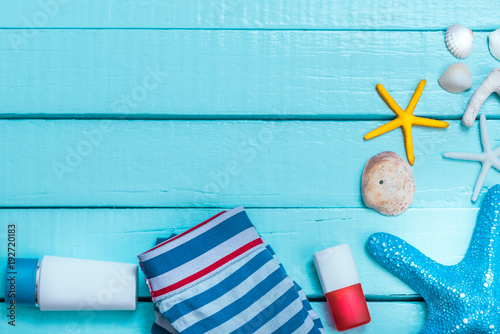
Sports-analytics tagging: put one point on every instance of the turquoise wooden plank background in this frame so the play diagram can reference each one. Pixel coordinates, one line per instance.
(248, 14)
(272, 74)
(122, 121)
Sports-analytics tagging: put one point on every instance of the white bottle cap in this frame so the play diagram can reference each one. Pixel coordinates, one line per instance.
(336, 268)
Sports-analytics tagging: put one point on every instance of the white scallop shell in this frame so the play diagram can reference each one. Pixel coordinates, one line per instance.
(494, 42)
(387, 184)
(459, 40)
(456, 78)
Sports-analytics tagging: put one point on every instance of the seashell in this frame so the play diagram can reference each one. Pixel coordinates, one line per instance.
(387, 184)
(459, 40)
(494, 43)
(456, 78)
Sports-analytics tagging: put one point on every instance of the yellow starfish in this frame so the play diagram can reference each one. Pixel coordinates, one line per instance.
(404, 119)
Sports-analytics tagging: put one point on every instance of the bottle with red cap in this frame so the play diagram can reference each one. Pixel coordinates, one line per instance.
(342, 288)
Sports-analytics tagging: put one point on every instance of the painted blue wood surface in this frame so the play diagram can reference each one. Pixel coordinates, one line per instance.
(85, 163)
(230, 73)
(312, 64)
(33, 321)
(251, 14)
(295, 234)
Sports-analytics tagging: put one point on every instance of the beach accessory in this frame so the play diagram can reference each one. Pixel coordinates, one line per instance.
(65, 284)
(161, 325)
(488, 159)
(459, 40)
(221, 277)
(490, 85)
(342, 288)
(494, 43)
(404, 119)
(387, 184)
(461, 298)
(456, 79)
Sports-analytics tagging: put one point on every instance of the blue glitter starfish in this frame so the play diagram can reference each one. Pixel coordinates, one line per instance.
(462, 298)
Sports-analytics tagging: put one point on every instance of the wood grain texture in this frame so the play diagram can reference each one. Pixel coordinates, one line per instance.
(312, 63)
(32, 320)
(295, 234)
(47, 163)
(225, 74)
(400, 318)
(140, 321)
(250, 14)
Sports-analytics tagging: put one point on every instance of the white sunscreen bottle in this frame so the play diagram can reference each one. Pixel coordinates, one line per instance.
(65, 284)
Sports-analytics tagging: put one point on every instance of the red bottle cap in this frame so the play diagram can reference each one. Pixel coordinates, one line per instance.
(340, 282)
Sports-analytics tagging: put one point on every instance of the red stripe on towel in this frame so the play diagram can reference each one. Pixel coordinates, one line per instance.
(208, 269)
(184, 233)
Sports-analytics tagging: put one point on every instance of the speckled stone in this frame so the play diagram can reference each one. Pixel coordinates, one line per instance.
(462, 298)
(387, 184)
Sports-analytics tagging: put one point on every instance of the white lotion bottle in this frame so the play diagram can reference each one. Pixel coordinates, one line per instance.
(66, 284)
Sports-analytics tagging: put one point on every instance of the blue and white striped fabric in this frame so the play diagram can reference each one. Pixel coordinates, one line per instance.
(221, 277)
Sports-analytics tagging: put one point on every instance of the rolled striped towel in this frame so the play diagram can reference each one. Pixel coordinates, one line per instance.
(220, 277)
